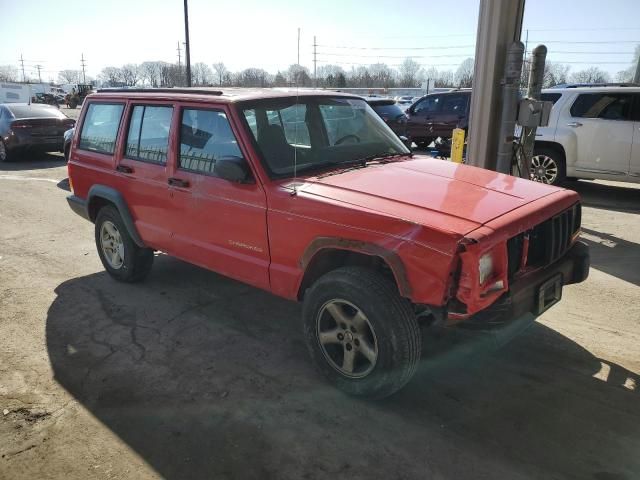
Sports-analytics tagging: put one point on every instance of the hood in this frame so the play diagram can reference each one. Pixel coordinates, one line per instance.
(430, 192)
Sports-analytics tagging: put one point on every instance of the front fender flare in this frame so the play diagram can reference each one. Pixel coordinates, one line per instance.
(391, 258)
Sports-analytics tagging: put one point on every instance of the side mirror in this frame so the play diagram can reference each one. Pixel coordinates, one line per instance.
(232, 168)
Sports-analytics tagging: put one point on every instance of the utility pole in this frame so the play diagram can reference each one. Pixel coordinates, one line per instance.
(499, 25)
(24, 77)
(298, 63)
(39, 67)
(315, 75)
(186, 36)
(636, 77)
(84, 64)
(179, 57)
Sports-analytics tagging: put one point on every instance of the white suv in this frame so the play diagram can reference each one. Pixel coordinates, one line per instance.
(593, 132)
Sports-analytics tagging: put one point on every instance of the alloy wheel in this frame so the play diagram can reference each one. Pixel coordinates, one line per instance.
(543, 169)
(112, 245)
(346, 338)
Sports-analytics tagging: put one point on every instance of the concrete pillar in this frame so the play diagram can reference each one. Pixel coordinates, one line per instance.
(499, 25)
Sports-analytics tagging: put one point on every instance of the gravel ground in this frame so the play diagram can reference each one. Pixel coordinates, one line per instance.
(191, 375)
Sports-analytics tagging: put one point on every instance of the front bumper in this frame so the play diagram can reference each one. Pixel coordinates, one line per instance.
(522, 296)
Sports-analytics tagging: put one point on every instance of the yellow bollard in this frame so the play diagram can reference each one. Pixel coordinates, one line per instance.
(457, 145)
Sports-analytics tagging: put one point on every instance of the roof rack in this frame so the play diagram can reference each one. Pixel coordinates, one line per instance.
(584, 85)
(199, 91)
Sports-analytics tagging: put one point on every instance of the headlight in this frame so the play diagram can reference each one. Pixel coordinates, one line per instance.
(485, 267)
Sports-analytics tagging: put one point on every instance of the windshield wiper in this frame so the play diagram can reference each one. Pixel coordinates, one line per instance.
(362, 162)
(380, 158)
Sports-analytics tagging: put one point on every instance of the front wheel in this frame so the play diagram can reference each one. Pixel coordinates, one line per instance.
(121, 257)
(361, 334)
(547, 166)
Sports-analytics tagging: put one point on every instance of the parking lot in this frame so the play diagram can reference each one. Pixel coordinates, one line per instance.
(192, 375)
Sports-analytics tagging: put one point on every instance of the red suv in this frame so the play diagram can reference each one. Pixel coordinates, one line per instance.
(309, 195)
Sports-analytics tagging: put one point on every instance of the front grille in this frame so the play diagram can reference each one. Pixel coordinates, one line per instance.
(547, 242)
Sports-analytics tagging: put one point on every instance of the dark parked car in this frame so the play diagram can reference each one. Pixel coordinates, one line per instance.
(436, 115)
(392, 114)
(31, 127)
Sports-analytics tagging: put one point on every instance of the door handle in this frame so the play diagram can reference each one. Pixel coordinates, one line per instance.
(178, 182)
(574, 124)
(124, 169)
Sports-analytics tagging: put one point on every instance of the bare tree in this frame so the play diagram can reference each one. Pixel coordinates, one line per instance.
(464, 74)
(555, 74)
(221, 72)
(627, 74)
(69, 76)
(130, 74)
(201, 74)
(382, 75)
(151, 73)
(439, 78)
(298, 75)
(409, 73)
(8, 73)
(590, 75)
(112, 76)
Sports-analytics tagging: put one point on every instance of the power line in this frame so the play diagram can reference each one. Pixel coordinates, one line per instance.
(594, 42)
(397, 48)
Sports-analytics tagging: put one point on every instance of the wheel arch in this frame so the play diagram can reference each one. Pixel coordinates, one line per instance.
(101, 195)
(327, 253)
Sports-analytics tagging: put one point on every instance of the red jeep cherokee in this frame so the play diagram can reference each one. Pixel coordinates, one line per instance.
(311, 196)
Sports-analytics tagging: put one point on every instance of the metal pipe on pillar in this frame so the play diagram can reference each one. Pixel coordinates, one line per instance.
(534, 90)
(510, 98)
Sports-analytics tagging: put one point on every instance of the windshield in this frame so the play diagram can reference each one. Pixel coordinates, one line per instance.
(318, 132)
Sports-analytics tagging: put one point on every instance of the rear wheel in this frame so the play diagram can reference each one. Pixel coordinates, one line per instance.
(362, 336)
(121, 257)
(547, 166)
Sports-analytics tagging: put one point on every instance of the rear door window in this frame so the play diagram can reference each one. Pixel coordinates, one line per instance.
(100, 127)
(148, 138)
(608, 106)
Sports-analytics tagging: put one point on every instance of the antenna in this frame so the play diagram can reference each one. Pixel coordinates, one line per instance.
(296, 72)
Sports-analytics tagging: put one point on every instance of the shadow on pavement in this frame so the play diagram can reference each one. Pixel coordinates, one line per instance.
(613, 255)
(205, 377)
(33, 161)
(607, 197)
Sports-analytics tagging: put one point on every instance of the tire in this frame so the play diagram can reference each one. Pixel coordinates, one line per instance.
(4, 153)
(389, 333)
(131, 263)
(539, 168)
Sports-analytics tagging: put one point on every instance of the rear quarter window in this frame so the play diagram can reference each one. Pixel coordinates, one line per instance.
(550, 97)
(100, 127)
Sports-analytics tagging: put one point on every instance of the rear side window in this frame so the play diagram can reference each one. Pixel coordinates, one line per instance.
(550, 97)
(100, 127)
(454, 104)
(609, 106)
(205, 136)
(148, 138)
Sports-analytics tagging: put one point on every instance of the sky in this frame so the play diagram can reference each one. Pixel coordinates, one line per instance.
(263, 34)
